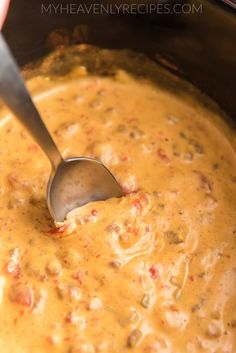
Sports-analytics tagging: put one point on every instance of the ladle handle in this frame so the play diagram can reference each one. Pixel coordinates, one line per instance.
(15, 94)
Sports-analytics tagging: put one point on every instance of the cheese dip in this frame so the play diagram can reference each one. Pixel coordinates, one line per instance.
(151, 272)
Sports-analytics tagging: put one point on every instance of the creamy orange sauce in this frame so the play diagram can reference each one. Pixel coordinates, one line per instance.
(152, 272)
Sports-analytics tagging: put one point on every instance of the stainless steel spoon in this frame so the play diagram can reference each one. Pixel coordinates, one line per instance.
(73, 182)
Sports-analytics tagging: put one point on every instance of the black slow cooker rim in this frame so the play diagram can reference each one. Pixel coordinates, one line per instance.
(192, 43)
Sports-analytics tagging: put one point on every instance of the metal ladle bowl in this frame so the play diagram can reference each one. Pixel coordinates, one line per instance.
(73, 182)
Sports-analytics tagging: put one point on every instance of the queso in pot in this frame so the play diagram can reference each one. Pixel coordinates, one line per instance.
(151, 272)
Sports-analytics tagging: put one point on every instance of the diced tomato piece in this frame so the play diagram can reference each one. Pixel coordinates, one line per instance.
(94, 212)
(154, 272)
(22, 294)
(137, 204)
(58, 230)
(144, 199)
(124, 158)
(173, 308)
(69, 318)
(52, 340)
(132, 230)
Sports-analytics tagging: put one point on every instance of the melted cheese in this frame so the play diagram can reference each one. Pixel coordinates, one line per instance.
(152, 272)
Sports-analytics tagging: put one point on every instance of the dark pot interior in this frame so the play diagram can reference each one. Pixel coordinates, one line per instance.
(200, 44)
